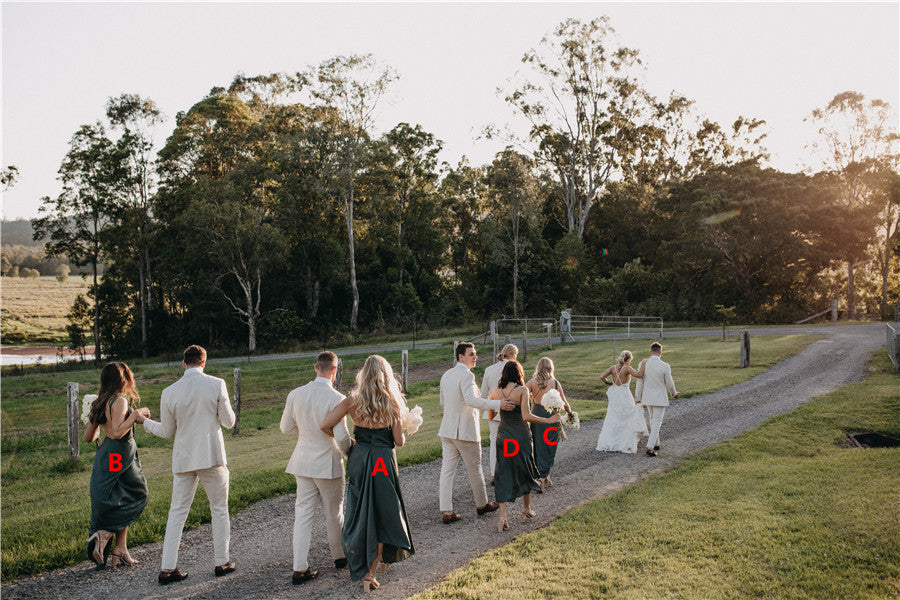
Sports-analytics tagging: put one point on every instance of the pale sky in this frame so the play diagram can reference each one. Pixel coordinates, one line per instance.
(772, 61)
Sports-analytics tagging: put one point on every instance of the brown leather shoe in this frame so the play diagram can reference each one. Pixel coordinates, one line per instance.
(225, 569)
(489, 507)
(170, 576)
(452, 517)
(652, 452)
(303, 576)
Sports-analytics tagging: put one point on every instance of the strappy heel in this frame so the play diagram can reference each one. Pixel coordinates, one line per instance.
(525, 516)
(370, 583)
(96, 547)
(502, 525)
(125, 557)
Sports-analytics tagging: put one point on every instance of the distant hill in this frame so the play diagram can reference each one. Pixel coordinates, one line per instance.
(17, 232)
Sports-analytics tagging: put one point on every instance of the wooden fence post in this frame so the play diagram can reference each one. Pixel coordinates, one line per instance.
(494, 339)
(74, 415)
(339, 376)
(524, 345)
(745, 348)
(455, 344)
(404, 369)
(834, 305)
(507, 340)
(237, 402)
(549, 340)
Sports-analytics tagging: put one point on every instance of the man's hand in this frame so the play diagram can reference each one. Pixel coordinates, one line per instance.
(142, 414)
(507, 405)
(675, 396)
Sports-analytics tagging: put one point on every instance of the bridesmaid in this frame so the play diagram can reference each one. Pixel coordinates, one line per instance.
(376, 529)
(118, 486)
(516, 474)
(544, 452)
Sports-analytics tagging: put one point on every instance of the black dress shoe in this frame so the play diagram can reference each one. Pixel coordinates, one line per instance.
(651, 452)
(489, 507)
(340, 563)
(656, 448)
(225, 569)
(303, 576)
(170, 576)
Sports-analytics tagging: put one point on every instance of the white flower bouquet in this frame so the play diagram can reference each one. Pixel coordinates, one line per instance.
(86, 404)
(571, 421)
(552, 401)
(411, 419)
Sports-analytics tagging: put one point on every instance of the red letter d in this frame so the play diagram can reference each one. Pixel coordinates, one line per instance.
(506, 451)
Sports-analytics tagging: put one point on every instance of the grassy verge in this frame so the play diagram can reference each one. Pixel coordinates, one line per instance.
(34, 310)
(782, 511)
(45, 502)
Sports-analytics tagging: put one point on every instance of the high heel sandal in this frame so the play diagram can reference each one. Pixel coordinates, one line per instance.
(370, 583)
(526, 515)
(96, 547)
(125, 557)
(502, 525)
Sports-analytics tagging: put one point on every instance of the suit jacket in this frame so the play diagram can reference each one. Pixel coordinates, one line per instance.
(316, 454)
(490, 380)
(194, 408)
(459, 397)
(652, 389)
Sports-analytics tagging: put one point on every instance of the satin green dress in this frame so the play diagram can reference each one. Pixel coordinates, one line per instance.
(374, 509)
(544, 453)
(118, 486)
(516, 475)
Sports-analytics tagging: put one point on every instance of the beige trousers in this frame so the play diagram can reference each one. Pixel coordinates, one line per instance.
(656, 418)
(309, 491)
(184, 486)
(470, 452)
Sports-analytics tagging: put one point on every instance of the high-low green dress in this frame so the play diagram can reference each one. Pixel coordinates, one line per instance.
(118, 485)
(374, 510)
(515, 475)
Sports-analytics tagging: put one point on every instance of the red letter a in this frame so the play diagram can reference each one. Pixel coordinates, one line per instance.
(506, 451)
(379, 467)
(115, 462)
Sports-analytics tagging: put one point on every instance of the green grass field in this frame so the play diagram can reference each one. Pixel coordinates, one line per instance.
(783, 511)
(37, 308)
(45, 501)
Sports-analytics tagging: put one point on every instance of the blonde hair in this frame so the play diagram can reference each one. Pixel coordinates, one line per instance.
(510, 351)
(624, 357)
(543, 372)
(378, 397)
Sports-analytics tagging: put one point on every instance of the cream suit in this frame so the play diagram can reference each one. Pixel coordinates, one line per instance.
(653, 392)
(194, 408)
(316, 464)
(460, 433)
(488, 382)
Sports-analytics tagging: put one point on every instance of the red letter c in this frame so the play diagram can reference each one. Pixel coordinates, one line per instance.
(546, 433)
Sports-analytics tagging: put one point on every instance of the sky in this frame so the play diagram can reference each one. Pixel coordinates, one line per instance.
(771, 61)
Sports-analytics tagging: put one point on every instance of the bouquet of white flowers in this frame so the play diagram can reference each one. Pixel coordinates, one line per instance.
(572, 421)
(552, 401)
(411, 419)
(86, 404)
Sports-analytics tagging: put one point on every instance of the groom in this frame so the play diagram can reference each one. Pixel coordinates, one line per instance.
(194, 408)
(460, 431)
(652, 391)
(316, 464)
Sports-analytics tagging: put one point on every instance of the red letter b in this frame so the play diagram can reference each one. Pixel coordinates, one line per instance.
(506, 451)
(115, 462)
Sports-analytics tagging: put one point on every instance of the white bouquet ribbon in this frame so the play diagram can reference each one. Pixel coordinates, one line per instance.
(86, 404)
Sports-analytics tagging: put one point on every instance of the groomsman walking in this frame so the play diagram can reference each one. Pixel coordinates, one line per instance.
(460, 432)
(194, 408)
(317, 464)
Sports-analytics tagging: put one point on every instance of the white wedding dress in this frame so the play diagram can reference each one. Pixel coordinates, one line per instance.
(624, 420)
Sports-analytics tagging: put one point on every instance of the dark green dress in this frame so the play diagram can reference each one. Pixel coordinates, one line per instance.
(515, 475)
(544, 453)
(118, 486)
(374, 509)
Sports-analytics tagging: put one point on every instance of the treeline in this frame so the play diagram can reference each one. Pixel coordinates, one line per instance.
(274, 212)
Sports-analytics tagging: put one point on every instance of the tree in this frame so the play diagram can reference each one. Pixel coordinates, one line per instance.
(582, 102)
(353, 86)
(9, 177)
(135, 118)
(76, 220)
(79, 319)
(855, 137)
(513, 191)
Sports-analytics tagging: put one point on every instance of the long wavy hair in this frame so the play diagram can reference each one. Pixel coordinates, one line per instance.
(543, 372)
(116, 379)
(378, 397)
(512, 372)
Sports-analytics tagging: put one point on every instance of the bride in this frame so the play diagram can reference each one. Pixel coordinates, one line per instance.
(624, 419)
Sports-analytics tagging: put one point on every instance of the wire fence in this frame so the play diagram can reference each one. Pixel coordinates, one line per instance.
(893, 344)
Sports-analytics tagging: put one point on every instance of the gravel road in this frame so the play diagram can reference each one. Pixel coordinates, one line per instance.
(261, 534)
